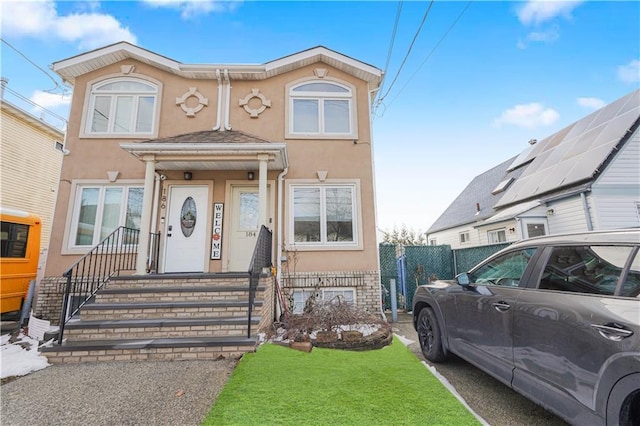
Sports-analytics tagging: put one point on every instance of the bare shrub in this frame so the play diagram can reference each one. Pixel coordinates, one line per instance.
(333, 315)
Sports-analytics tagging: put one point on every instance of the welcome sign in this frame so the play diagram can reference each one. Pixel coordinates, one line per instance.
(216, 236)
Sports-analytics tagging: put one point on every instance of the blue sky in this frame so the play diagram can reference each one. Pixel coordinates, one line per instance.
(480, 81)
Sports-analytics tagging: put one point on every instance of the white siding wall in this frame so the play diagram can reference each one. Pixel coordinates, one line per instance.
(506, 225)
(29, 169)
(616, 193)
(452, 237)
(568, 216)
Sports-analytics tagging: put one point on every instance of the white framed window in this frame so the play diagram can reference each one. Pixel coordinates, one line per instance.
(100, 209)
(300, 296)
(324, 215)
(464, 237)
(496, 236)
(122, 106)
(321, 108)
(432, 242)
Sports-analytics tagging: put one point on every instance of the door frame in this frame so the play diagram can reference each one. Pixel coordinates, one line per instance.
(228, 212)
(164, 218)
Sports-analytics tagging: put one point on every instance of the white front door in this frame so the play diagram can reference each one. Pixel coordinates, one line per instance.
(186, 230)
(244, 227)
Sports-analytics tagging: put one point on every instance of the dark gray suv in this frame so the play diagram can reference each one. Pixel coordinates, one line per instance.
(556, 318)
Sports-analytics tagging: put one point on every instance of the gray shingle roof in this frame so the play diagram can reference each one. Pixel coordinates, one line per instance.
(463, 209)
(210, 136)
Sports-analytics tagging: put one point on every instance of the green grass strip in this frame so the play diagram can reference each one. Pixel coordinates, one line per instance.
(278, 385)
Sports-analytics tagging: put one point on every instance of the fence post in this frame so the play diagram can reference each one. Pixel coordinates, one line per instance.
(394, 300)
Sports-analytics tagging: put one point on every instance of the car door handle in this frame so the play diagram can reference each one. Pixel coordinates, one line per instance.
(613, 332)
(501, 306)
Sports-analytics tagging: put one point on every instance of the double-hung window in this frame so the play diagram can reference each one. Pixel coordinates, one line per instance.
(324, 215)
(122, 106)
(497, 236)
(321, 108)
(99, 210)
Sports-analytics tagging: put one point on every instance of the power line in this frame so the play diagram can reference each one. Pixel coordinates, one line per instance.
(35, 65)
(391, 43)
(453, 24)
(395, 78)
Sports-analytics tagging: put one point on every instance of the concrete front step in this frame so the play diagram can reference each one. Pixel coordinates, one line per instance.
(174, 293)
(182, 348)
(171, 280)
(148, 310)
(158, 328)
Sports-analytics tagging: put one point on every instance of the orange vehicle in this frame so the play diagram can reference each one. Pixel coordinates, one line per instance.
(19, 253)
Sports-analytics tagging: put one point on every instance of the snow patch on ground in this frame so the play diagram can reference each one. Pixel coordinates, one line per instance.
(404, 340)
(20, 357)
(365, 329)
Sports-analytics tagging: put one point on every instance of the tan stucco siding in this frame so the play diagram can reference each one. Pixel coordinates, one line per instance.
(29, 170)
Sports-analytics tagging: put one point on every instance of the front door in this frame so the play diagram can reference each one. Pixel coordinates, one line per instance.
(244, 227)
(186, 231)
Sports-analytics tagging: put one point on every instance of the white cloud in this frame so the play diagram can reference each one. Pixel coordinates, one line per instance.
(529, 116)
(191, 8)
(40, 19)
(50, 100)
(535, 12)
(591, 103)
(546, 36)
(629, 73)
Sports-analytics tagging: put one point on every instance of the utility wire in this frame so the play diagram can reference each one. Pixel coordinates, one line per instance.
(453, 24)
(391, 43)
(35, 65)
(395, 78)
(30, 102)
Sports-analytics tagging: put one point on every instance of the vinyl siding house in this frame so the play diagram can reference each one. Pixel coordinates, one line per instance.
(584, 177)
(200, 158)
(32, 149)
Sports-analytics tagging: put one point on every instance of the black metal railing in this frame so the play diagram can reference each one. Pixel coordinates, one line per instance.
(116, 253)
(260, 260)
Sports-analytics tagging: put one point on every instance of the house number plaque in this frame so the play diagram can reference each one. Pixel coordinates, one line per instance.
(216, 237)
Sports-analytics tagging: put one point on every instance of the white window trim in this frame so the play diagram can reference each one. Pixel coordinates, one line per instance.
(495, 232)
(353, 122)
(88, 102)
(68, 239)
(321, 294)
(467, 238)
(357, 244)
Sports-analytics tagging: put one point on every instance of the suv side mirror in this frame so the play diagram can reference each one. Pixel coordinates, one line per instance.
(463, 279)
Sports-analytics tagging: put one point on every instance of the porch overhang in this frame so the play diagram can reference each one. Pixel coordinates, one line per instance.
(209, 156)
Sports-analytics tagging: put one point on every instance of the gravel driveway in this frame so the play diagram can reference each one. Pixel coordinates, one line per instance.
(108, 393)
(494, 402)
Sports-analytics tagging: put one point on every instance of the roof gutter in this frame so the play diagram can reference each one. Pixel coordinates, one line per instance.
(218, 120)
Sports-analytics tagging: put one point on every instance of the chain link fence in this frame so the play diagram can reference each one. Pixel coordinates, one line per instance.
(465, 259)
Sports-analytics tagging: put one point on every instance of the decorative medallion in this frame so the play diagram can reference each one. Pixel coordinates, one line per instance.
(255, 112)
(188, 216)
(192, 111)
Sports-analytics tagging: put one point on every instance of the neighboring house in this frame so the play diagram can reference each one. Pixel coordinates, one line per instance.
(204, 154)
(584, 177)
(30, 161)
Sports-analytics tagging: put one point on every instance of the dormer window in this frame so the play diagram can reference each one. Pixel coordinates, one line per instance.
(122, 106)
(321, 109)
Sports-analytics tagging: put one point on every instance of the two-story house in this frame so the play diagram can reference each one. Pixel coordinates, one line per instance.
(198, 157)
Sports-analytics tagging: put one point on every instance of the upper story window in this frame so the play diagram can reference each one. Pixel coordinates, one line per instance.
(321, 109)
(122, 106)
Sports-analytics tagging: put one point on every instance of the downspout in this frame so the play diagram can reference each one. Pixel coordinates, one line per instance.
(279, 231)
(585, 207)
(218, 123)
(227, 100)
(154, 215)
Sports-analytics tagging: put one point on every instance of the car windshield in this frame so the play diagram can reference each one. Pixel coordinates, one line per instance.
(505, 270)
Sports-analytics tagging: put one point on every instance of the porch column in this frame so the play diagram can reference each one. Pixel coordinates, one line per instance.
(145, 220)
(262, 190)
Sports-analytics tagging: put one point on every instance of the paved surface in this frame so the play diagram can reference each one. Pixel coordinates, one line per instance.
(496, 403)
(130, 393)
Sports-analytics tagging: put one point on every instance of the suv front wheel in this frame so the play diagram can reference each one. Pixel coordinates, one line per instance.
(430, 336)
